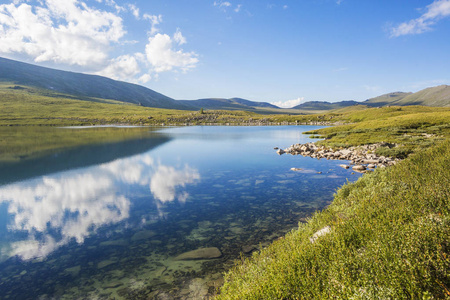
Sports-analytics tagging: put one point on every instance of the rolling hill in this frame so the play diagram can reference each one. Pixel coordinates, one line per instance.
(227, 104)
(323, 105)
(94, 88)
(438, 96)
(83, 86)
(386, 99)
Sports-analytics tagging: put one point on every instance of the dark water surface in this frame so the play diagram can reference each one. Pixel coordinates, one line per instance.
(107, 221)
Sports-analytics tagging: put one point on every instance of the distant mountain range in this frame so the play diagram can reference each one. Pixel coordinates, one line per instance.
(93, 87)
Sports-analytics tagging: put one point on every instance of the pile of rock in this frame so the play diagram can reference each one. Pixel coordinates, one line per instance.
(361, 157)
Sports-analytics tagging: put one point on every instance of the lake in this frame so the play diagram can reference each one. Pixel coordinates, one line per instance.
(114, 220)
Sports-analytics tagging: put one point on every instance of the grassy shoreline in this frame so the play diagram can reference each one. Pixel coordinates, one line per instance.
(389, 232)
(389, 239)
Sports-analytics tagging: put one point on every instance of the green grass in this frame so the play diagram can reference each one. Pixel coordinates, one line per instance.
(28, 106)
(31, 107)
(413, 128)
(389, 239)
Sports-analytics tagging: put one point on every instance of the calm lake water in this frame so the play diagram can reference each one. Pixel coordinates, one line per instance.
(107, 221)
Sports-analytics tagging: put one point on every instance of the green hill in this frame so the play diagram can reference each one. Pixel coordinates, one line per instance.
(433, 96)
(323, 105)
(386, 99)
(438, 96)
(83, 86)
(227, 104)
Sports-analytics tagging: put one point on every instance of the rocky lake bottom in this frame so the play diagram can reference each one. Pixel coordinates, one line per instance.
(165, 223)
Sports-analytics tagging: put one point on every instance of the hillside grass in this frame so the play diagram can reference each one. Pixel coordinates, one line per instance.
(29, 106)
(26, 106)
(389, 239)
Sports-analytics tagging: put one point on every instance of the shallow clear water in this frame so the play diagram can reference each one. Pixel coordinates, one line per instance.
(108, 221)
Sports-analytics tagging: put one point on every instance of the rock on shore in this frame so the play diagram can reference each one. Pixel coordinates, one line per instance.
(363, 156)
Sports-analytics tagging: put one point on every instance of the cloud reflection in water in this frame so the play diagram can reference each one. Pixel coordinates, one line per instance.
(76, 203)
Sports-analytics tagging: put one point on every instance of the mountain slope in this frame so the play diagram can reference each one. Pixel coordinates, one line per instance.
(386, 99)
(83, 85)
(438, 96)
(227, 104)
(323, 105)
(434, 96)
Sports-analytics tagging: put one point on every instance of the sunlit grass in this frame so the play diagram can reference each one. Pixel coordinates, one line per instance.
(413, 128)
(389, 239)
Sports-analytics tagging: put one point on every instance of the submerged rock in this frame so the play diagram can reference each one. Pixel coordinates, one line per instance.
(248, 249)
(143, 235)
(201, 253)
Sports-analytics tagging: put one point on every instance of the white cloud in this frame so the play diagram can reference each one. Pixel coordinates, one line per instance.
(145, 78)
(71, 32)
(66, 32)
(179, 38)
(162, 56)
(289, 103)
(154, 20)
(285, 7)
(222, 3)
(435, 11)
(134, 10)
(121, 68)
(225, 5)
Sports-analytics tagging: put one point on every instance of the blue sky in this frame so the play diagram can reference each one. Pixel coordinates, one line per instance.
(279, 51)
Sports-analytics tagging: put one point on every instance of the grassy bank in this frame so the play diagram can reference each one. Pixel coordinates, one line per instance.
(389, 239)
(413, 128)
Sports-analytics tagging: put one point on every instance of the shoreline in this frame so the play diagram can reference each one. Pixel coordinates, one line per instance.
(361, 157)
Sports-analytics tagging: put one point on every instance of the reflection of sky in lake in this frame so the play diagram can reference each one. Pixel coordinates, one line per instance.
(73, 204)
(126, 217)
